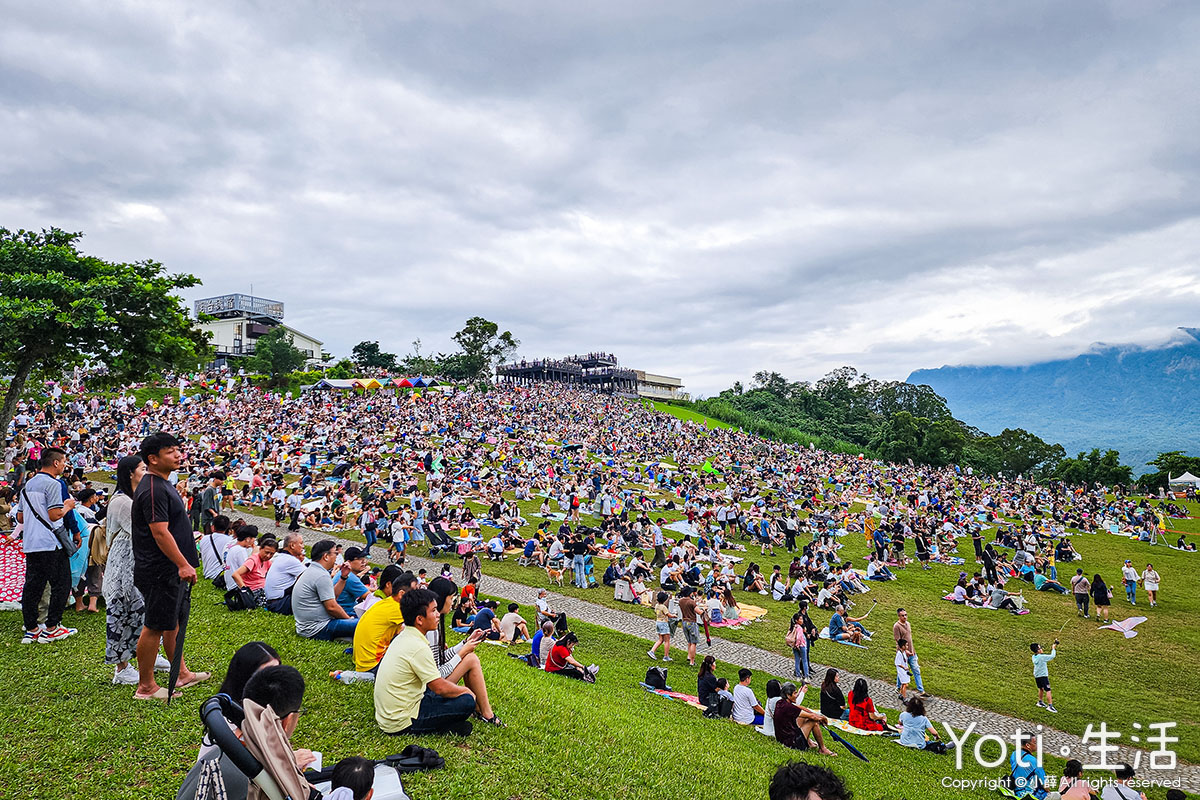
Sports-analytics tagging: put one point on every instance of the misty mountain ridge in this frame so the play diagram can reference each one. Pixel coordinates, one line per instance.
(1140, 400)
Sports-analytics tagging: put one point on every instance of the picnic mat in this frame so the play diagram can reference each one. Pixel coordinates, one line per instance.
(845, 727)
(690, 699)
(750, 613)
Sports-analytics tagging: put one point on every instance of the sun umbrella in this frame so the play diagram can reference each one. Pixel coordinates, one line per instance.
(185, 610)
(846, 744)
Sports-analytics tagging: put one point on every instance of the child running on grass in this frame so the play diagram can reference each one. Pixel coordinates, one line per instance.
(1041, 674)
(902, 677)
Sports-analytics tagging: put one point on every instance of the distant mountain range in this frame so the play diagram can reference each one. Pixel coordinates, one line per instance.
(1140, 401)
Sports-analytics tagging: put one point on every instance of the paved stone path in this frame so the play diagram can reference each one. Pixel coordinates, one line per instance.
(958, 715)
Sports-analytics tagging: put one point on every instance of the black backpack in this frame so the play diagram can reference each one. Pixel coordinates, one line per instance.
(656, 678)
(240, 598)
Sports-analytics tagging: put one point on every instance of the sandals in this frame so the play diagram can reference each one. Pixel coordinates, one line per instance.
(415, 758)
(161, 694)
(198, 677)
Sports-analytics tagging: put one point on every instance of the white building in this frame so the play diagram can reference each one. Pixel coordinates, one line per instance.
(660, 387)
(241, 319)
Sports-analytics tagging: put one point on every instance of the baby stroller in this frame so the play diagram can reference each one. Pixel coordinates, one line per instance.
(439, 541)
(217, 712)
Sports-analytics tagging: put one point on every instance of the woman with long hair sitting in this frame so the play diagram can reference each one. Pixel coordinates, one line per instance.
(862, 709)
(459, 664)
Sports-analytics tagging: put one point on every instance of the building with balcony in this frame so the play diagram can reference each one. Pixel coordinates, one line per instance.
(601, 371)
(660, 387)
(238, 321)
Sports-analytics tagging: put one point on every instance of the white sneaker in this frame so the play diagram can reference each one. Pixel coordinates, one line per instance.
(651, 654)
(1040, 704)
(161, 664)
(1052, 709)
(667, 658)
(125, 677)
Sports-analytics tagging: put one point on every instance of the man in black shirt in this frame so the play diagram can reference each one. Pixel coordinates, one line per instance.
(164, 558)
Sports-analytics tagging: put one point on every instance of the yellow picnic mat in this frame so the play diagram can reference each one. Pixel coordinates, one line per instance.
(749, 612)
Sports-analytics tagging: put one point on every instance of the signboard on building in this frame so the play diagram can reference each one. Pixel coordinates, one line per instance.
(243, 303)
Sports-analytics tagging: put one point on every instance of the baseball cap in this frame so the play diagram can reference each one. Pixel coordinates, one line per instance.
(352, 553)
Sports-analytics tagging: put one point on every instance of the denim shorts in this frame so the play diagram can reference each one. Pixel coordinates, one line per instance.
(663, 628)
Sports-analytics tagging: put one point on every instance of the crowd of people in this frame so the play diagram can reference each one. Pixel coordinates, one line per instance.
(452, 470)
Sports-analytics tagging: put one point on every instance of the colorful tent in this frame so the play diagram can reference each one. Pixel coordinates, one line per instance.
(404, 383)
(366, 383)
(419, 382)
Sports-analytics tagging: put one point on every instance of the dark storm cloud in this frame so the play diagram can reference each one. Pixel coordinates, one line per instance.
(705, 189)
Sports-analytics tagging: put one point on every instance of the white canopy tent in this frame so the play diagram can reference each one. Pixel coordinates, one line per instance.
(1185, 478)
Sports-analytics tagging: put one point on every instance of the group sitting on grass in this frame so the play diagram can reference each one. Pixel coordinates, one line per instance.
(449, 470)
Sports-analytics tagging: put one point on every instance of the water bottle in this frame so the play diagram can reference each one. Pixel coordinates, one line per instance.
(350, 676)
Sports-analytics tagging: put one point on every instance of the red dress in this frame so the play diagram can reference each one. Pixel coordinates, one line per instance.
(860, 714)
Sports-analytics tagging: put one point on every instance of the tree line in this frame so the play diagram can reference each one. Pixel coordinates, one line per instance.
(846, 411)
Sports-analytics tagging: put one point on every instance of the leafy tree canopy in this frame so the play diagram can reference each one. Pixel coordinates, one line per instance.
(482, 346)
(367, 355)
(276, 356)
(61, 308)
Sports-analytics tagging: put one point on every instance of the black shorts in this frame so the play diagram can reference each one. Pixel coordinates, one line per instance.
(161, 596)
(1043, 683)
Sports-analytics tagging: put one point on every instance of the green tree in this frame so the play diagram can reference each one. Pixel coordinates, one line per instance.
(1091, 468)
(367, 355)
(276, 356)
(1171, 464)
(482, 347)
(900, 438)
(342, 370)
(1024, 453)
(942, 443)
(60, 308)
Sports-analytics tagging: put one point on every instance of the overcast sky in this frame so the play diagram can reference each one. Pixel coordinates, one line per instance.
(704, 189)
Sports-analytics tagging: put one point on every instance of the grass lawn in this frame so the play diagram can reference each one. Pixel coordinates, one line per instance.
(982, 658)
(687, 414)
(68, 731)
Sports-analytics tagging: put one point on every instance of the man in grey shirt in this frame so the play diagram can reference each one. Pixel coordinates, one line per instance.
(286, 567)
(40, 510)
(210, 502)
(314, 598)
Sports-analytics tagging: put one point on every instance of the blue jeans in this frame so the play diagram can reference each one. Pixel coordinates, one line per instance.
(371, 538)
(578, 565)
(801, 656)
(1131, 591)
(438, 714)
(280, 605)
(337, 628)
(915, 670)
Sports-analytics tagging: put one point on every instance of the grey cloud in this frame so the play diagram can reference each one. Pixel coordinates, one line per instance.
(706, 189)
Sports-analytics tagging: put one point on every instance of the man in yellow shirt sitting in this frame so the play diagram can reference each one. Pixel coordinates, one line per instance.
(411, 696)
(380, 623)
